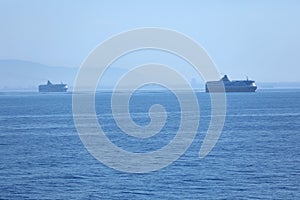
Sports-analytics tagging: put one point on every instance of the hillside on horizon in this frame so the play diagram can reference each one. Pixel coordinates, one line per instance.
(27, 75)
(22, 75)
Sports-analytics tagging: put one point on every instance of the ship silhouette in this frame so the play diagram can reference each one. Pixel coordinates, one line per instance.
(50, 87)
(225, 85)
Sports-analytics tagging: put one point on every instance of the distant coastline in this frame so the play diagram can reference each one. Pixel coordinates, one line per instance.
(25, 76)
(261, 87)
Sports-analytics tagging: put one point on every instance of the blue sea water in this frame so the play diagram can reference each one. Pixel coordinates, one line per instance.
(256, 157)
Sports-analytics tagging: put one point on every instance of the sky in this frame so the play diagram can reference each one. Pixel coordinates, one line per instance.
(255, 38)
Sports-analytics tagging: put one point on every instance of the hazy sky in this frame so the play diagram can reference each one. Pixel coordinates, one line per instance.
(257, 38)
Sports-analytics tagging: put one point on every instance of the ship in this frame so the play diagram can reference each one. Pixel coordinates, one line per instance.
(225, 85)
(49, 87)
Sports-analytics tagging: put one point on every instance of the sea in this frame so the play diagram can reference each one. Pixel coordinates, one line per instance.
(256, 157)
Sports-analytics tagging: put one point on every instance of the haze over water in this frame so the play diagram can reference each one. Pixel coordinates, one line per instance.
(44, 156)
(256, 157)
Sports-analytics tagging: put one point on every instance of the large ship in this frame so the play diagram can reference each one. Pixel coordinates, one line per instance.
(230, 86)
(49, 87)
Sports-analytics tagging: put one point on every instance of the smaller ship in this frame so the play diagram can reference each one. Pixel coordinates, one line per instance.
(49, 87)
(230, 86)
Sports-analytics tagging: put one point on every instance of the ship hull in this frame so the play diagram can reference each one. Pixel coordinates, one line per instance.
(47, 89)
(230, 89)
